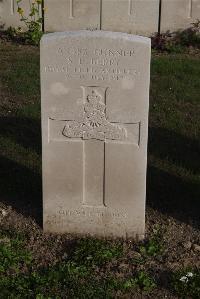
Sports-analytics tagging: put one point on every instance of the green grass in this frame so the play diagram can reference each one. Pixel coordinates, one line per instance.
(154, 245)
(75, 277)
(186, 283)
(20, 129)
(172, 184)
(20, 71)
(174, 131)
(91, 252)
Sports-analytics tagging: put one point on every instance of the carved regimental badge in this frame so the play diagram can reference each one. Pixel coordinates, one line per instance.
(92, 122)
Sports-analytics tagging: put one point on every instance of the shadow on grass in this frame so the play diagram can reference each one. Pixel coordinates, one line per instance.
(173, 196)
(182, 151)
(25, 131)
(174, 191)
(21, 188)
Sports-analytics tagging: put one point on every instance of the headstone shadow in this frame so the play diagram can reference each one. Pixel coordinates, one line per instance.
(174, 194)
(24, 131)
(21, 189)
(21, 186)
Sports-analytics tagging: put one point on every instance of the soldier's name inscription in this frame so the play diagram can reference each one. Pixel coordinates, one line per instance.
(70, 51)
(93, 64)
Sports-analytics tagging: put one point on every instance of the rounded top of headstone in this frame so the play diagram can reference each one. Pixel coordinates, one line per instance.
(97, 34)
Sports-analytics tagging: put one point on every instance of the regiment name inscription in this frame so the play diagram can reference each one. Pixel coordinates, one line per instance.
(96, 64)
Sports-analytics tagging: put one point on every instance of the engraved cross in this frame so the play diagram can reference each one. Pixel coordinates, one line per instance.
(93, 128)
(130, 7)
(12, 7)
(190, 8)
(71, 9)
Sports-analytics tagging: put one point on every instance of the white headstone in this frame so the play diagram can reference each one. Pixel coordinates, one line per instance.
(65, 15)
(179, 14)
(132, 16)
(95, 97)
(9, 15)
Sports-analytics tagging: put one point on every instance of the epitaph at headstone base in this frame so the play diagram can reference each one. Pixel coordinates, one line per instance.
(95, 93)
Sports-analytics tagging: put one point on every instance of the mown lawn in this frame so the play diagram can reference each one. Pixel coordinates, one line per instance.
(38, 265)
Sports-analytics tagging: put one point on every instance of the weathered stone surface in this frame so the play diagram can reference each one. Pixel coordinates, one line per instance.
(179, 14)
(71, 15)
(9, 15)
(95, 94)
(132, 16)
